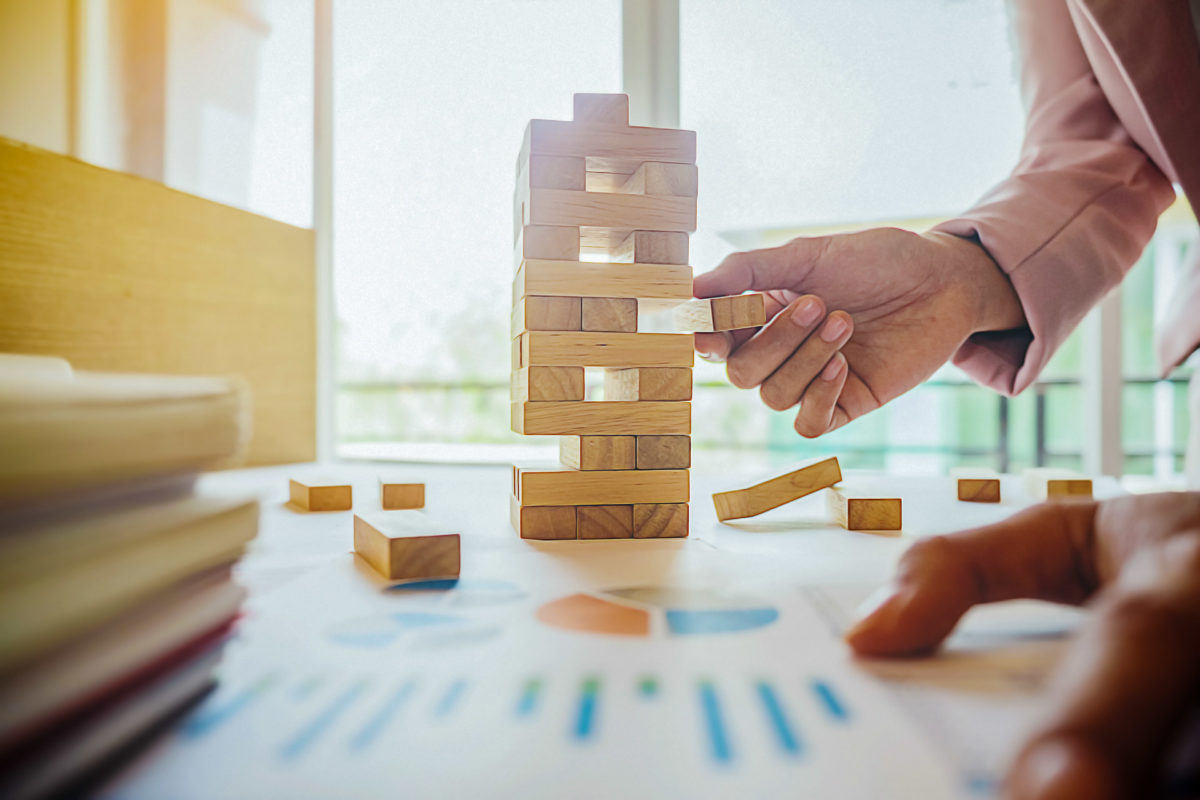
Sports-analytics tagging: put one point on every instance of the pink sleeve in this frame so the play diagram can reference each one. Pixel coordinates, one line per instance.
(1075, 213)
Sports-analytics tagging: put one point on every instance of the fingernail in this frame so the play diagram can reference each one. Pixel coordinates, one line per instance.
(834, 329)
(832, 369)
(806, 312)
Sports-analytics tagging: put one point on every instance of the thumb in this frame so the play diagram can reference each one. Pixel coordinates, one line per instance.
(783, 267)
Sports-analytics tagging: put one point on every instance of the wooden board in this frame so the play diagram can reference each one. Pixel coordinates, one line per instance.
(609, 314)
(598, 452)
(406, 545)
(542, 313)
(600, 417)
(546, 384)
(648, 383)
(656, 178)
(612, 109)
(858, 513)
(321, 495)
(1048, 483)
(721, 313)
(395, 495)
(761, 497)
(652, 247)
(117, 273)
(609, 210)
(538, 486)
(546, 523)
(552, 349)
(660, 520)
(594, 279)
(605, 522)
(664, 452)
(979, 490)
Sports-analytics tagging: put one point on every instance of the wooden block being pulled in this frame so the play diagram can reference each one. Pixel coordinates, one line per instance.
(394, 494)
(612, 109)
(546, 384)
(761, 497)
(600, 417)
(594, 279)
(605, 522)
(648, 383)
(721, 313)
(548, 242)
(550, 486)
(541, 313)
(1048, 483)
(655, 178)
(406, 545)
(319, 494)
(587, 349)
(652, 247)
(978, 489)
(660, 520)
(545, 523)
(612, 314)
(664, 452)
(598, 452)
(609, 210)
(857, 513)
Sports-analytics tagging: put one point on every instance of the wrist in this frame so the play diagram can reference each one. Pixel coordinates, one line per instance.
(985, 289)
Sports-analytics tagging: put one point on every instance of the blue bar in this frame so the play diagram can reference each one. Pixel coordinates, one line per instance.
(589, 699)
(529, 697)
(377, 723)
(326, 718)
(779, 721)
(304, 690)
(830, 700)
(207, 719)
(450, 699)
(717, 738)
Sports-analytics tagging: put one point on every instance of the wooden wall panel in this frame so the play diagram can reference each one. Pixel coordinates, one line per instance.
(119, 273)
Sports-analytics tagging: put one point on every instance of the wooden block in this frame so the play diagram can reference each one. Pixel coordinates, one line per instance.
(979, 490)
(1049, 483)
(553, 242)
(550, 486)
(321, 494)
(586, 349)
(557, 172)
(613, 314)
(856, 513)
(546, 523)
(396, 495)
(671, 180)
(605, 522)
(600, 417)
(653, 247)
(664, 452)
(648, 383)
(754, 500)
(592, 279)
(612, 109)
(598, 452)
(609, 210)
(546, 384)
(609, 148)
(542, 313)
(660, 520)
(406, 545)
(721, 313)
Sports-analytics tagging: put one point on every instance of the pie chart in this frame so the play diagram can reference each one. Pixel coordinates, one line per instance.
(657, 610)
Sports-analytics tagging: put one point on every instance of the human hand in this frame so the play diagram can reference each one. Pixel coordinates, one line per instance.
(904, 304)
(1131, 678)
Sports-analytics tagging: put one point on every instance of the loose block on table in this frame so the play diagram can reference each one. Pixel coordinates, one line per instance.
(396, 494)
(320, 494)
(978, 490)
(1047, 483)
(761, 497)
(403, 545)
(859, 513)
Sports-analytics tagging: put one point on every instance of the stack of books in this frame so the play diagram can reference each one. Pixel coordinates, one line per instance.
(116, 594)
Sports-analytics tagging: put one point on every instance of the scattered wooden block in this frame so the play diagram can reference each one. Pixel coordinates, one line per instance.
(660, 521)
(648, 383)
(611, 314)
(671, 180)
(557, 172)
(593, 279)
(761, 497)
(609, 148)
(605, 522)
(321, 494)
(598, 452)
(586, 349)
(1048, 483)
(601, 418)
(544, 523)
(549, 242)
(550, 486)
(396, 495)
(612, 109)
(664, 452)
(541, 313)
(864, 513)
(609, 210)
(653, 247)
(978, 489)
(546, 384)
(721, 313)
(406, 545)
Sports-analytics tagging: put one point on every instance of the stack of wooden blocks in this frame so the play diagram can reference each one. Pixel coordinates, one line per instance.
(596, 187)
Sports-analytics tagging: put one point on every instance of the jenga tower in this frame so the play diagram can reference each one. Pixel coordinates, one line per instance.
(598, 186)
